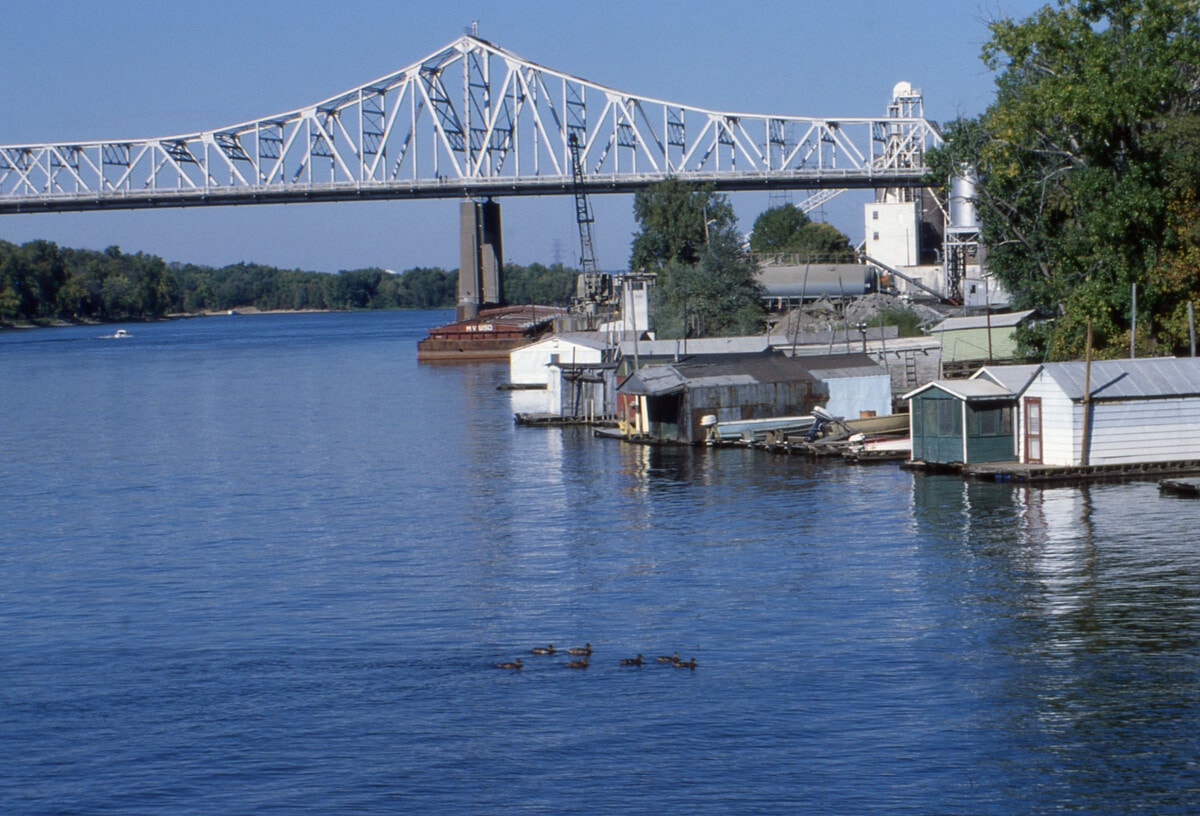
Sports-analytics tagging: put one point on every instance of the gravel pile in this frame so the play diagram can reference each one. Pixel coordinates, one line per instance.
(824, 314)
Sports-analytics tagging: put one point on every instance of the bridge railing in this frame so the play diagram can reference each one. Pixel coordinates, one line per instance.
(470, 119)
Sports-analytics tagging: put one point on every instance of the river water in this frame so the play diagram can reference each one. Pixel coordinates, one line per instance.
(266, 564)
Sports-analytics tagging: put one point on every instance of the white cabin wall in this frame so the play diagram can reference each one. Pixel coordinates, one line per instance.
(531, 365)
(1161, 430)
(527, 402)
(554, 391)
(527, 365)
(849, 396)
(1059, 437)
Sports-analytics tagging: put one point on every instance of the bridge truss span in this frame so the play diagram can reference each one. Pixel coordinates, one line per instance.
(469, 120)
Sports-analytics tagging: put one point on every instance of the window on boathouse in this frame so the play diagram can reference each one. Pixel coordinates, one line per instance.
(990, 420)
(948, 418)
(938, 417)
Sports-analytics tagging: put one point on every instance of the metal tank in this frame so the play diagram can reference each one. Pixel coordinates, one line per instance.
(963, 215)
(793, 282)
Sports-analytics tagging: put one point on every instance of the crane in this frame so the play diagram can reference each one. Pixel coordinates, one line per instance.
(595, 285)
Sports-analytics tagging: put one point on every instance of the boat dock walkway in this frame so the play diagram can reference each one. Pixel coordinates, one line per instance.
(547, 420)
(1019, 472)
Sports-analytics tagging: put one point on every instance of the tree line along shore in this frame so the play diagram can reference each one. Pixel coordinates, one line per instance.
(689, 238)
(43, 283)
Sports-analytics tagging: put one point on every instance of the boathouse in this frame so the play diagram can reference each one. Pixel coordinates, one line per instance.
(535, 370)
(731, 388)
(968, 421)
(1122, 412)
(670, 399)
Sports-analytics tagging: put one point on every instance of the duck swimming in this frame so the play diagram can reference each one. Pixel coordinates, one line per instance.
(631, 661)
(547, 649)
(577, 664)
(665, 659)
(685, 664)
(516, 664)
(585, 649)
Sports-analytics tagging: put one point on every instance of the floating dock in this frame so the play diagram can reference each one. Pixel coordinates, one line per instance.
(1018, 472)
(559, 420)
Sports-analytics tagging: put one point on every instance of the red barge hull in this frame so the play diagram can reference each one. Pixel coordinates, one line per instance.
(490, 336)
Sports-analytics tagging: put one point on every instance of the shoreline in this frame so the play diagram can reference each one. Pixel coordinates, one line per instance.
(59, 323)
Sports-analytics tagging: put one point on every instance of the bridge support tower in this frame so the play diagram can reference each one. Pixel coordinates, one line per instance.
(480, 257)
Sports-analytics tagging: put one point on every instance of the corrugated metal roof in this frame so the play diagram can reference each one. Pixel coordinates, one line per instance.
(967, 390)
(592, 340)
(996, 321)
(697, 345)
(716, 370)
(842, 366)
(1014, 378)
(722, 379)
(654, 380)
(762, 367)
(1147, 378)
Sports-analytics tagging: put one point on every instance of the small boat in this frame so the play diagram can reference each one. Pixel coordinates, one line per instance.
(751, 430)
(880, 425)
(119, 334)
(879, 448)
(1179, 488)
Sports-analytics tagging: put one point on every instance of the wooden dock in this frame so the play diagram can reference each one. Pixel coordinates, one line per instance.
(556, 420)
(1018, 472)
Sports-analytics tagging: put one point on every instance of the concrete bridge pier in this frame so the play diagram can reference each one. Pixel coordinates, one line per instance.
(480, 257)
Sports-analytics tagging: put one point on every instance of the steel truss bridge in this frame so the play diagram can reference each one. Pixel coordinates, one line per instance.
(470, 120)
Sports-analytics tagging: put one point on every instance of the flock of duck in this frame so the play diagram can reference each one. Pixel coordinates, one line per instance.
(583, 655)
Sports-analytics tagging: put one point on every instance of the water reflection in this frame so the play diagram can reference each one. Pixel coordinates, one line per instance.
(1088, 596)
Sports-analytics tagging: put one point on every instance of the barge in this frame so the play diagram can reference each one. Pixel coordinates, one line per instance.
(491, 335)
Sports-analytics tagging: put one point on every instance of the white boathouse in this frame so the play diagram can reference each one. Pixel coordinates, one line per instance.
(535, 371)
(1139, 412)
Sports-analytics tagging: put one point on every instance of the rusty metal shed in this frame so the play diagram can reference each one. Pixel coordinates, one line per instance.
(674, 397)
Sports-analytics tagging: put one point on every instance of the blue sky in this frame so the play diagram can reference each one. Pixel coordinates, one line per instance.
(80, 70)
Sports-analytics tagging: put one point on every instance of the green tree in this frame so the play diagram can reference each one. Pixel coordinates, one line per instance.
(788, 230)
(550, 285)
(1079, 161)
(825, 242)
(706, 283)
(44, 273)
(10, 304)
(727, 298)
(426, 288)
(676, 220)
(356, 288)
